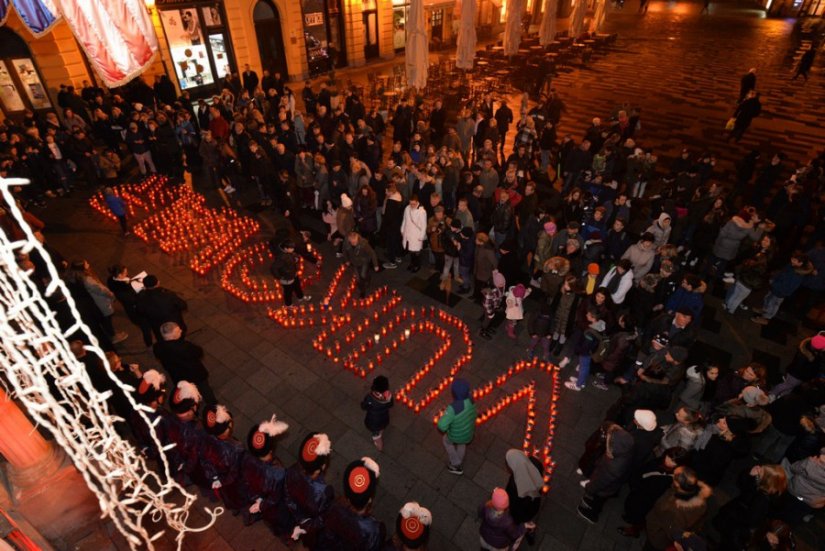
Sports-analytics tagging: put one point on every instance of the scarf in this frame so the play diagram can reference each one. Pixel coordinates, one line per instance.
(528, 478)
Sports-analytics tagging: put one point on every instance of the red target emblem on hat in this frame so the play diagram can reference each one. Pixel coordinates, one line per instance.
(412, 528)
(211, 418)
(143, 388)
(359, 480)
(310, 453)
(258, 440)
(176, 396)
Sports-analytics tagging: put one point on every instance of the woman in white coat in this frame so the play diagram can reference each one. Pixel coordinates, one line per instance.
(414, 231)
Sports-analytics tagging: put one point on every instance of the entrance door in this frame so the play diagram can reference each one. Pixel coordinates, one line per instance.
(371, 34)
(437, 28)
(270, 40)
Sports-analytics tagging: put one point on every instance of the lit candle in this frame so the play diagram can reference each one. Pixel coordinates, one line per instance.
(377, 338)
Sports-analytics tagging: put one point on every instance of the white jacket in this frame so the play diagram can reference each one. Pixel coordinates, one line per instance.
(414, 228)
(515, 306)
(625, 284)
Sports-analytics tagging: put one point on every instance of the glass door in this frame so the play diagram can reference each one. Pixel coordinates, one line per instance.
(370, 14)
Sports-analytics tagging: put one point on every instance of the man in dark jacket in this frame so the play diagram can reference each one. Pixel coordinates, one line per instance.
(250, 80)
(359, 254)
(611, 472)
(285, 270)
(504, 118)
(158, 305)
(747, 83)
(183, 360)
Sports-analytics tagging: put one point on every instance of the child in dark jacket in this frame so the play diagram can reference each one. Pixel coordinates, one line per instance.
(377, 404)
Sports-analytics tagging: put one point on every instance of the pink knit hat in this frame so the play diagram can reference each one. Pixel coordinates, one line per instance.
(498, 279)
(519, 291)
(500, 499)
(818, 342)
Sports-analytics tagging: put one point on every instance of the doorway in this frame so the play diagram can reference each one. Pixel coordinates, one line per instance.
(370, 13)
(270, 39)
(437, 29)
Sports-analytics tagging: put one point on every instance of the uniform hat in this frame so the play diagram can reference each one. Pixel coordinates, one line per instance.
(184, 397)
(593, 268)
(413, 525)
(151, 387)
(216, 419)
(500, 499)
(361, 481)
(261, 439)
(645, 419)
(818, 342)
(754, 396)
(315, 450)
(346, 202)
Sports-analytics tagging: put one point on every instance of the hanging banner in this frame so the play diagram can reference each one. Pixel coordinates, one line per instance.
(37, 15)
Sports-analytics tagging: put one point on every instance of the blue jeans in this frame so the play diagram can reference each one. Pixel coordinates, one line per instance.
(584, 370)
(770, 306)
(735, 296)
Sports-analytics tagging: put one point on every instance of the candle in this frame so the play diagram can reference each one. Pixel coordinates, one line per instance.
(377, 338)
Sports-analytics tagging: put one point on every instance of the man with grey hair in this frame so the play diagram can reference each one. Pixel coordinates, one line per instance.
(183, 360)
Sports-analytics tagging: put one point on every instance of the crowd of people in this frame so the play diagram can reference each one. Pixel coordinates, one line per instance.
(608, 256)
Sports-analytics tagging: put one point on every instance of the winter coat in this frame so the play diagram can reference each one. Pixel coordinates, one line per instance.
(737, 408)
(485, 262)
(671, 517)
(414, 228)
(731, 236)
(498, 528)
(378, 411)
(752, 271)
(565, 306)
(787, 281)
(807, 363)
(459, 427)
(103, 297)
(806, 481)
(694, 389)
(711, 462)
(692, 301)
(345, 220)
(515, 305)
(641, 259)
(361, 255)
(611, 473)
(624, 284)
(285, 267)
(660, 235)
(523, 509)
(680, 435)
(548, 247)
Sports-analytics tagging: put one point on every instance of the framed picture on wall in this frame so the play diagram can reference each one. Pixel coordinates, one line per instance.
(212, 16)
(34, 89)
(10, 99)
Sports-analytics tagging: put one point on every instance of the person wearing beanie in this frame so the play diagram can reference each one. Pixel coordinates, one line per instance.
(515, 307)
(591, 279)
(220, 453)
(344, 222)
(493, 299)
(377, 404)
(414, 231)
(285, 269)
(348, 523)
(184, 431)
(524, 489)
(412, 528)
(646, 435)
(679, 510)
(150, 392)
(306, 494)
(718, 445)
(748, 405)
(549, 244)
(808, 364)
(498, 529)
(458, 423)
(610, 473)
(261, 474)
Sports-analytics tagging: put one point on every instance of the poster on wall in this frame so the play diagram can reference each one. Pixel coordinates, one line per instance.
(186, 45)
(315, 35)
(9, 95)
(212, 16)
(218, 44)
(31, 83)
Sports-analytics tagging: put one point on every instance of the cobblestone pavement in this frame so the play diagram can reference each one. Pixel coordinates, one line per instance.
(683, 70)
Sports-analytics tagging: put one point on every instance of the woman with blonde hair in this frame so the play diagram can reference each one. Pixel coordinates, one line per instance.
(760, 493)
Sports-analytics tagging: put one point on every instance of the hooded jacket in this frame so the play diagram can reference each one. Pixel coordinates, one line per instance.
(612, 472)
(642, 260)
(661, 235)
(806, 481)
(671, 516)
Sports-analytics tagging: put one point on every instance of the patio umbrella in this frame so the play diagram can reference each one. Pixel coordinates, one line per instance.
(598, 17)
(547, 30)
(465, 50)
(417, 53)
(577, 19)
(512, 27)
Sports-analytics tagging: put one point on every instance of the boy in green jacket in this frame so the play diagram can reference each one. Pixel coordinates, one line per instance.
(458, 425)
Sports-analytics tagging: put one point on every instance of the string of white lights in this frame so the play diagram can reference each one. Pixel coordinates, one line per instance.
(55, 388)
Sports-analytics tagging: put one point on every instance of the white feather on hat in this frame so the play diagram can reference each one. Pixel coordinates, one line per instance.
(413, 509)
(154, 378)
(273, 427)
(370, 463)
(188, 391)
(222, 414)
(324, 446)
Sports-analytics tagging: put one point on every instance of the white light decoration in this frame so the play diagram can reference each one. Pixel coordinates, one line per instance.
(55, 389)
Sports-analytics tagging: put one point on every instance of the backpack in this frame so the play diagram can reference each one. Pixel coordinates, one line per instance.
(602, 345)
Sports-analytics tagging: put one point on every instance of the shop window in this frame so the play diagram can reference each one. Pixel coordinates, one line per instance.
(21, 87)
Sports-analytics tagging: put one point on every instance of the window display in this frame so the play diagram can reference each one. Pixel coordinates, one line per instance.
(186, 45)
(9, 94)
(31, 83)
(315, 36)
(218, 44)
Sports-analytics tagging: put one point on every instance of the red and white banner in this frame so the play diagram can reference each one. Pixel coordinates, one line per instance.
(117, 36)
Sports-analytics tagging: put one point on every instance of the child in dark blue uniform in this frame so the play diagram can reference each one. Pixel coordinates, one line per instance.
(348, 524)
(220, 453)
(151, 393)
(306, 495)
(377, 404)
(184, 431)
